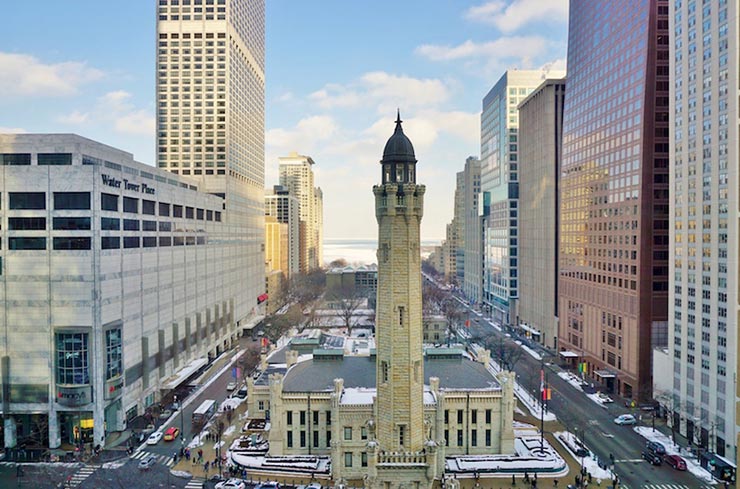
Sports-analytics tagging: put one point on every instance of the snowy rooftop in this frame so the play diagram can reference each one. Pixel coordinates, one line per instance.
(364, 396)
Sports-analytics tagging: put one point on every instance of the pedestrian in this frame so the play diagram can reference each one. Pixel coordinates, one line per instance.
(555, 483)
(205, 466)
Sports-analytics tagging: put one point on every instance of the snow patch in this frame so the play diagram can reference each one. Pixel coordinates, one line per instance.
(590, 462)
(531, 352)
(692, 463)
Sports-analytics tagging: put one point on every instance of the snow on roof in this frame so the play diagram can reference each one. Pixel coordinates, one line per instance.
(363, 396)
(296, 464)
(530, 457)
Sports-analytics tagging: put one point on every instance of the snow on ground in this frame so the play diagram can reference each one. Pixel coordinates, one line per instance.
(531, 352)
(532, 404)
(600, 399)
(231, 403)
(116, 464)
(181, 473)
(196, 442)
(231, 429)
(572, 379)
(692, 463)
(218, 445)
(532, 456)
(293, 465)
(590, 462)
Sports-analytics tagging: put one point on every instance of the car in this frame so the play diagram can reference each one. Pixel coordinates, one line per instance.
(231, 484)
(675, 461)
(655, 447)
(269, 485)
(651, 457)
(242, 393)
(171, 433)
(313, 485)
(231, 386)
(604, 398)
(154, 438)
(147, 462)
(624, 419)
(165, 414)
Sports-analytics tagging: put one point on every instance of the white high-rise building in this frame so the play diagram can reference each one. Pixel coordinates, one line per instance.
(296, 174)
(703, 314)
(283, 206)
(211, 113)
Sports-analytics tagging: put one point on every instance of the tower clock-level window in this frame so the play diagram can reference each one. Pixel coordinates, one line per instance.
(401, 313)
(401, 434)
(387, 170)
(384, 371)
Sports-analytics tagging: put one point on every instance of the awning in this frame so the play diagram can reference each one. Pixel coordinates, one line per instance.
(605, 374)
(569, 354)
(531, 330)
(184, 373)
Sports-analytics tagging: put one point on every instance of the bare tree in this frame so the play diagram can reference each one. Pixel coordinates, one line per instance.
(454, 314)
(432, 298)
(347, 301)
(505, 353)
(249, 361)
(305, 288)
(338, 263)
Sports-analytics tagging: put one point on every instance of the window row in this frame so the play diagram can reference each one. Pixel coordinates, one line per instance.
(43, 159)
(109, 202)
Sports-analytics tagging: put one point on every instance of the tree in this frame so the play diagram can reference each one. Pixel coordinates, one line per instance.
(338, 263)
(305, 288)
(249, 361)
(217, 429)
(453, 312)
(347, 301)
(505, 353)
(432, 298)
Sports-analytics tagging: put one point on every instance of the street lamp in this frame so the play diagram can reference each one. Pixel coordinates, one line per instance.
(182, 424)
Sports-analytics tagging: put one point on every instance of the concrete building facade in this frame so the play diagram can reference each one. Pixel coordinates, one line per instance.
(116, 276)
(613, 284)
(473, 260)
(703, 305)
(540, 144)
(282, 206)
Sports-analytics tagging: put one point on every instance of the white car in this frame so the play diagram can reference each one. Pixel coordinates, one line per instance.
(231, 386)
(624, 419)
(231, 484)
(154, 438)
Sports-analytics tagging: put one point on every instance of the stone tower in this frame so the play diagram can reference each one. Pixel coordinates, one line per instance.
(400, 455)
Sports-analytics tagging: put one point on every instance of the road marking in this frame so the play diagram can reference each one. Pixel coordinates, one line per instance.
(607, 435)
(82, 474)
(628, 460)
(195, 483)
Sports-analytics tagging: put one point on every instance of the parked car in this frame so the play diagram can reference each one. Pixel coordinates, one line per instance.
(231, 484)
(231, 386)
(154, 438)
(165, 414)
(624, 419)
(604, 398)
(147, 462)
(656, 447)
(651, 457)
(675, 461)
(269, 485)
(242, 393)
(313, 485)
(171, 433)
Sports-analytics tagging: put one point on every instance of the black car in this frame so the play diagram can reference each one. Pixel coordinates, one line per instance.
(651, 457)
(241, 393)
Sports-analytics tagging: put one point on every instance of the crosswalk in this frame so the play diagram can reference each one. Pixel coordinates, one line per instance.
(80, 476)
(161, 459)
(666, 486)
(195, 483)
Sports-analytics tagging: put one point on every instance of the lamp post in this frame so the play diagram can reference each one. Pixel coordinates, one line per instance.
(182, 423)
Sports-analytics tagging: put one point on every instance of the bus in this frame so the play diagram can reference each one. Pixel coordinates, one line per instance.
(204, 412)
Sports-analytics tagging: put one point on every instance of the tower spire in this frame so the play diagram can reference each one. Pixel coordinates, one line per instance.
(398, 120)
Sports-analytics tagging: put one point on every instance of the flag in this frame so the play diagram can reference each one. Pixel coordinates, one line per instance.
(467, 323)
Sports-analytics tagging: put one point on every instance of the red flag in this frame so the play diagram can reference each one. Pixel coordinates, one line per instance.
(467, 323)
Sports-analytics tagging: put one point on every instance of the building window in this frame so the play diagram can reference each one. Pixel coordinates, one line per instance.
(148, 225)
(302, 417)
(165, 241)
(474, 416)
(165, 226)
(447, 416)
(72, 363)
(149, 241)
(72, 243)
(110, 224)
(488, 416)
(384, 369)
(447, 438)
(289, 418)
(131, 242)
(348, 459)
(290, 439)
(328, 418)
(316, 439)
(363, 460)
(27, 223)
(131, 205)
(130, 224)
(209, 215)
(189, 212)
(108, 202)
(147, 207)
(303, 439)
(113, 353)
(459, 438)
(363, 433)
(110, 242)
(459, 416)
(401, 435)
(488, 438)
(23, 243)
(72, 200)
(72, 223)
(474, 438)
(13, 159)
(27, 200)
(347, 432)
(176, 210)
(55, 158)
(200, 214)
(315, 417)
(261, 405)
(164, 209)
(328, 438)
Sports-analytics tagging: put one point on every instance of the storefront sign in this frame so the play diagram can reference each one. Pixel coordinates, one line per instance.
(74, 395)
(113, 387)
(126, 185)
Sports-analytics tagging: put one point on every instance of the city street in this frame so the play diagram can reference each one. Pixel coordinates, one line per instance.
(591, 421)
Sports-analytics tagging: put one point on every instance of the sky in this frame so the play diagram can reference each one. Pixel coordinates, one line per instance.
(336, 72)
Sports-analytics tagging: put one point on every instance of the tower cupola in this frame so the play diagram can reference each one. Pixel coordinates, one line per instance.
(399, 161)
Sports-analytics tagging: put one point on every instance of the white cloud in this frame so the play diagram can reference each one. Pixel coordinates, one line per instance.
(75, 118)
(114, 108)
(382, 90)
(23, 75)
(522, 48)
(559, 64)
(12, 130)
(517, 14)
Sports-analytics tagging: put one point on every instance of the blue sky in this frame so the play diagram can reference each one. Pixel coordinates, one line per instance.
(336, 71)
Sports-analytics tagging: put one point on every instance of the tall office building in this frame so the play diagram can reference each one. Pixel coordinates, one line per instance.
(296, 174)
(473, 261)
(540, 144)
(500, 188)
(614, 192)
(284, 207)
(318, 224)
(458, 222)
(210, 87)
(704, 215)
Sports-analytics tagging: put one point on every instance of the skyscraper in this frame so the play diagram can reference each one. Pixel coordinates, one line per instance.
(473, 261)
(704, 214)
(500, 188)
(284, 207)
(296, 174)
(614, 191)
(210, 87)
(540, 144)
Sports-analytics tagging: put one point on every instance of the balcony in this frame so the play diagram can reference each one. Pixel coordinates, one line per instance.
(403, 459)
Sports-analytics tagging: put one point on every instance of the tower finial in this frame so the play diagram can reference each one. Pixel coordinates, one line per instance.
(398, 120)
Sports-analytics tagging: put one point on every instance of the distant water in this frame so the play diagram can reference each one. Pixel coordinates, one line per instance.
(361, 251)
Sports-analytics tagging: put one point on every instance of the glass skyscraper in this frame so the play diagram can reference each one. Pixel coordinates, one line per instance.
(613, 284)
